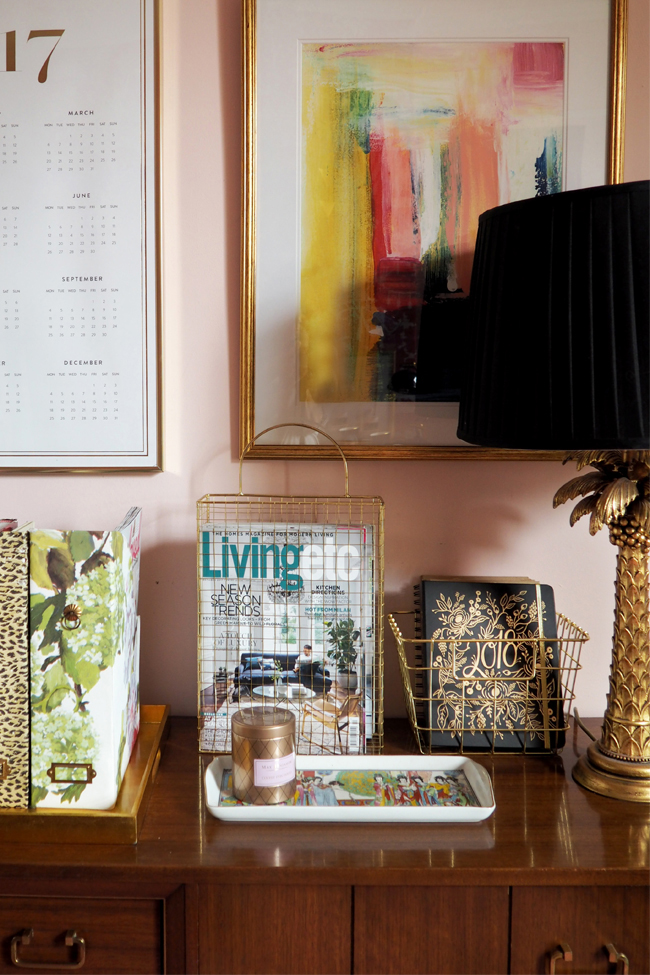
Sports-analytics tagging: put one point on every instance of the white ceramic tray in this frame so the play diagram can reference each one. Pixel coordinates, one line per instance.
(476, 775)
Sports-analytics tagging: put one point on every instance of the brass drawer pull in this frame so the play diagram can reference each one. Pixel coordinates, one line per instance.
(562, 953)
(619, 959)
(25, 938)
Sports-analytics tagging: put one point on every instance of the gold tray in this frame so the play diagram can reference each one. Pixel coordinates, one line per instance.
(122, 823)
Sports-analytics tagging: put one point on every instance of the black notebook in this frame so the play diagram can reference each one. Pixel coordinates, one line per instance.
(487, 682)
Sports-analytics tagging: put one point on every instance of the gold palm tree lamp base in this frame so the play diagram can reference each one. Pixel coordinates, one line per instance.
(617, 494)
(613, 777)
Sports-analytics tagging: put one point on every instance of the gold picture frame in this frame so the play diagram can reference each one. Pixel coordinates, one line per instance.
(269, 340)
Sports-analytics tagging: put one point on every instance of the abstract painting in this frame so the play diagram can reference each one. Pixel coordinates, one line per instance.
(403, 144)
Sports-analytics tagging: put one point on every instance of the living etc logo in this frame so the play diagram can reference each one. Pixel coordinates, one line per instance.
(293, 565)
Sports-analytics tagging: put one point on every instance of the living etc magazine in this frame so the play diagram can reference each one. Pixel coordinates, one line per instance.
(286, 618)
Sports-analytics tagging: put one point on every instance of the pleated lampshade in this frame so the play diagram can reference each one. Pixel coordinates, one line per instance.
(559, 353)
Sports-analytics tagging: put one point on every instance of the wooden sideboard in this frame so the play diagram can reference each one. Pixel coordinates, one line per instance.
(555, 865)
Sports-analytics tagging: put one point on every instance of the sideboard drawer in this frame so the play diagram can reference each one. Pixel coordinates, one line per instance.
(442, 929)
(111, 935)
(274, 929)
(585, 920)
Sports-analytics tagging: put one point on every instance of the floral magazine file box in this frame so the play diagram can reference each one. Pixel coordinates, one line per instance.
(84, 648)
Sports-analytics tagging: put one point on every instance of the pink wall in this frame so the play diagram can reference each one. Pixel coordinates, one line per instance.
(451, 517)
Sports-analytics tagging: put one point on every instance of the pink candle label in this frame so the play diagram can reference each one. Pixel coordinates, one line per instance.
(274, 771)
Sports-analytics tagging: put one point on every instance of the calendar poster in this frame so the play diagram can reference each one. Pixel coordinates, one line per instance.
(79, 316)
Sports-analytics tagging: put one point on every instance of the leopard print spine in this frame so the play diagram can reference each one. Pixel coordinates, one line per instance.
(14, 670)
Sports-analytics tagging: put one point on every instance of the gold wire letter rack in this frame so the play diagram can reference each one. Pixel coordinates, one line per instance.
(457, 706)
(291, 596)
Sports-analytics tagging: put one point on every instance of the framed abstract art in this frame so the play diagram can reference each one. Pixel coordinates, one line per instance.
(376, 132)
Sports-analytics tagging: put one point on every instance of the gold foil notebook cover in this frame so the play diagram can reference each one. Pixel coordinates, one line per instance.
(14, 670)
(491, 683)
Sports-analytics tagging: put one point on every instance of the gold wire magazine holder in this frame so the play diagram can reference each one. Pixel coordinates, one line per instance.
(291, 615)
(505, 710)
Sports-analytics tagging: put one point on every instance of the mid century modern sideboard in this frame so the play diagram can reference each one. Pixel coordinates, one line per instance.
(555, 869)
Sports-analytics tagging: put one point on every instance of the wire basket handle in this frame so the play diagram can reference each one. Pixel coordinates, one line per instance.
(306, 426)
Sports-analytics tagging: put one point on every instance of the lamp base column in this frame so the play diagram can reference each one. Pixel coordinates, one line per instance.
(613, 777)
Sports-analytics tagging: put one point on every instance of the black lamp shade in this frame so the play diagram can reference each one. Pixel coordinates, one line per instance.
(559, 355)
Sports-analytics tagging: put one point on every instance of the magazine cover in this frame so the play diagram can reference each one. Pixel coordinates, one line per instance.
(84, 650)
(287, 618)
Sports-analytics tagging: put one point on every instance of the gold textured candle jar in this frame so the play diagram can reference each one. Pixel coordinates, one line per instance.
(263, 755)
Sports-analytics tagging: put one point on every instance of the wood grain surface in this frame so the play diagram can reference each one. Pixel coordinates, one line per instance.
(275, 930)
(586, 918)
(120, 935)
(335, 897)
(543, 821)
(430, 929)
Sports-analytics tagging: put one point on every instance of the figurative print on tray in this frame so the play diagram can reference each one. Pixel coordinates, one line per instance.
(371, 787)
(403, 145)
